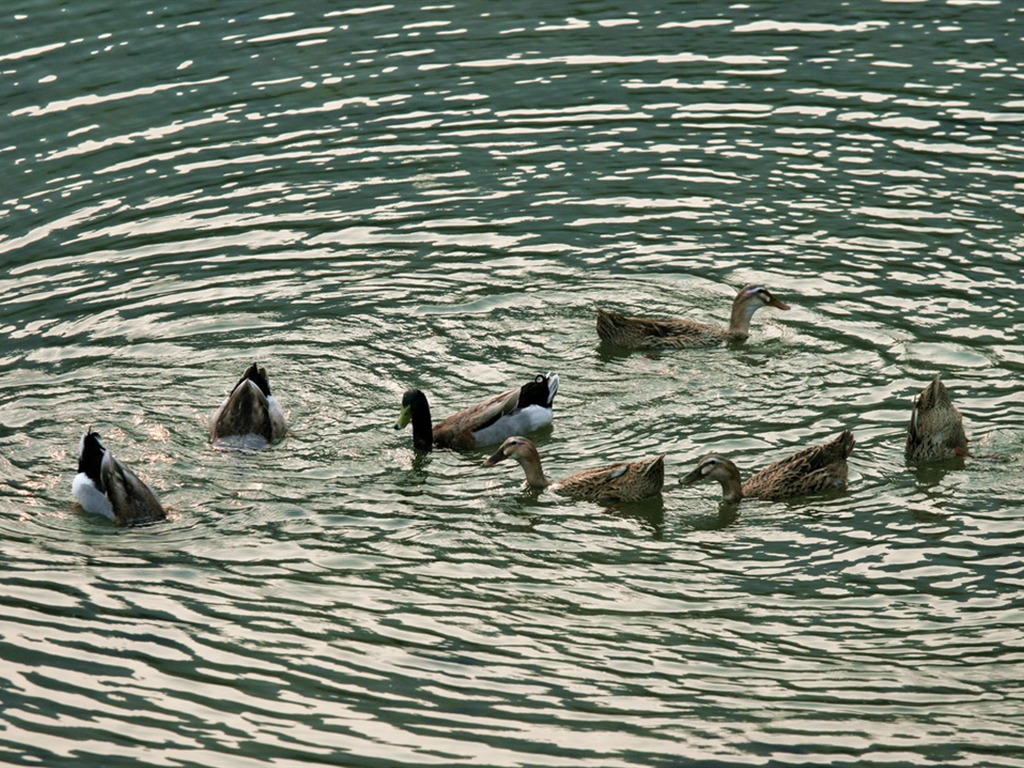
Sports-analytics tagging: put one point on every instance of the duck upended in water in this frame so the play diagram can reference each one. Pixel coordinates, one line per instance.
(250, 411)
(818, 469)
(624, 482)
(105, 486)
(936, 429)
(525, 409)
(646, 333)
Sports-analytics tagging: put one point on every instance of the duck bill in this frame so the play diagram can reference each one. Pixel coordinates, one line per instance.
(494, 458)
(404, 417)
(778, 304)
(694, 477)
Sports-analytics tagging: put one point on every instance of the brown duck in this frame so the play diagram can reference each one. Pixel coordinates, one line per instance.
(249, 410)
(647, 333)
(936, 429)
(624, 482)
(818, 469)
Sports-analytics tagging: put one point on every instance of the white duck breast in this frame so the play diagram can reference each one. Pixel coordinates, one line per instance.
(524, 410)
(524, 420)
(90, 497)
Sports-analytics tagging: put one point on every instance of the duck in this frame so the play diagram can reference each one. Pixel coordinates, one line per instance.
(105, 486)
(625, 481)
(936, 429)
(818, 469)
(524, 409)
(647, 333)
(249, 411)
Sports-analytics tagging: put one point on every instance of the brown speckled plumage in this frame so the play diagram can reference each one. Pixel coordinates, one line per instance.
(647, 333)
(936, 429)
(623, 482)
(818, 469)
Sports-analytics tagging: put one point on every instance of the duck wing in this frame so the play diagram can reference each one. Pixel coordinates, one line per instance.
(133, 501)
(812, 470)
(643, 332)
(625, 481)
(517, 411)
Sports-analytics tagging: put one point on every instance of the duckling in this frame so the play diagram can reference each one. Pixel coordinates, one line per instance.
(646, 333)
(525, 409)
(250, 411)
(817, 469)
(105, 486)
(936, 429)
(624, 482)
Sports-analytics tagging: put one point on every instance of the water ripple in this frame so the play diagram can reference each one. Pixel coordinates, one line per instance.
(374, 198)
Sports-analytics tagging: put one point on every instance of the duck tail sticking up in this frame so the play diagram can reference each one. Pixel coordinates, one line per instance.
(936, 429)
(257, 376)
(249, 411)
(845, 443)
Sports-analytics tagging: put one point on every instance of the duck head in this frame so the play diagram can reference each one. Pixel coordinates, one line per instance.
(750, 299)
(753, 294)
(516, 447)
(416, 409)
(718, 468)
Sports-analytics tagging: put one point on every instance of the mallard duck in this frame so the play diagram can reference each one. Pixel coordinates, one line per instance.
(645, 333)
(936, 429)
(250, 410)
(625, 481)
(105, 486)
(488, 422)
(817, 469)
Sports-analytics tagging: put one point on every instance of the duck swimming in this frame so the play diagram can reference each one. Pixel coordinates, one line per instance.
(105, 486)
(623, 482)
(646, 333)
(486, 423)
(936, 429)
(818, 469)
(249, 411)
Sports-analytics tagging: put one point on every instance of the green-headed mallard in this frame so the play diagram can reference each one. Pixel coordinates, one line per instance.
(105, 486)
(936, 429)
(818, 469)
(625, 481)
(525, 409)
(249, 415)
(646, 333)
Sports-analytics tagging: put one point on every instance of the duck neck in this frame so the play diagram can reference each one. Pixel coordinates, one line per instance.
(739, 322)
(530, 462)
(422, 428)
(732, 488)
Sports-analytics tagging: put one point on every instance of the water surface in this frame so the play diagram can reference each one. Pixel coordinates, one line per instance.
(365, 198)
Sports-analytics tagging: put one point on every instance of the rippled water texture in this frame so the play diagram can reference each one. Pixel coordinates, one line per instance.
(368, 198)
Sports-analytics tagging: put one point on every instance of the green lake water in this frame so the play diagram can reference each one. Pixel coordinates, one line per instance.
(365, 198)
